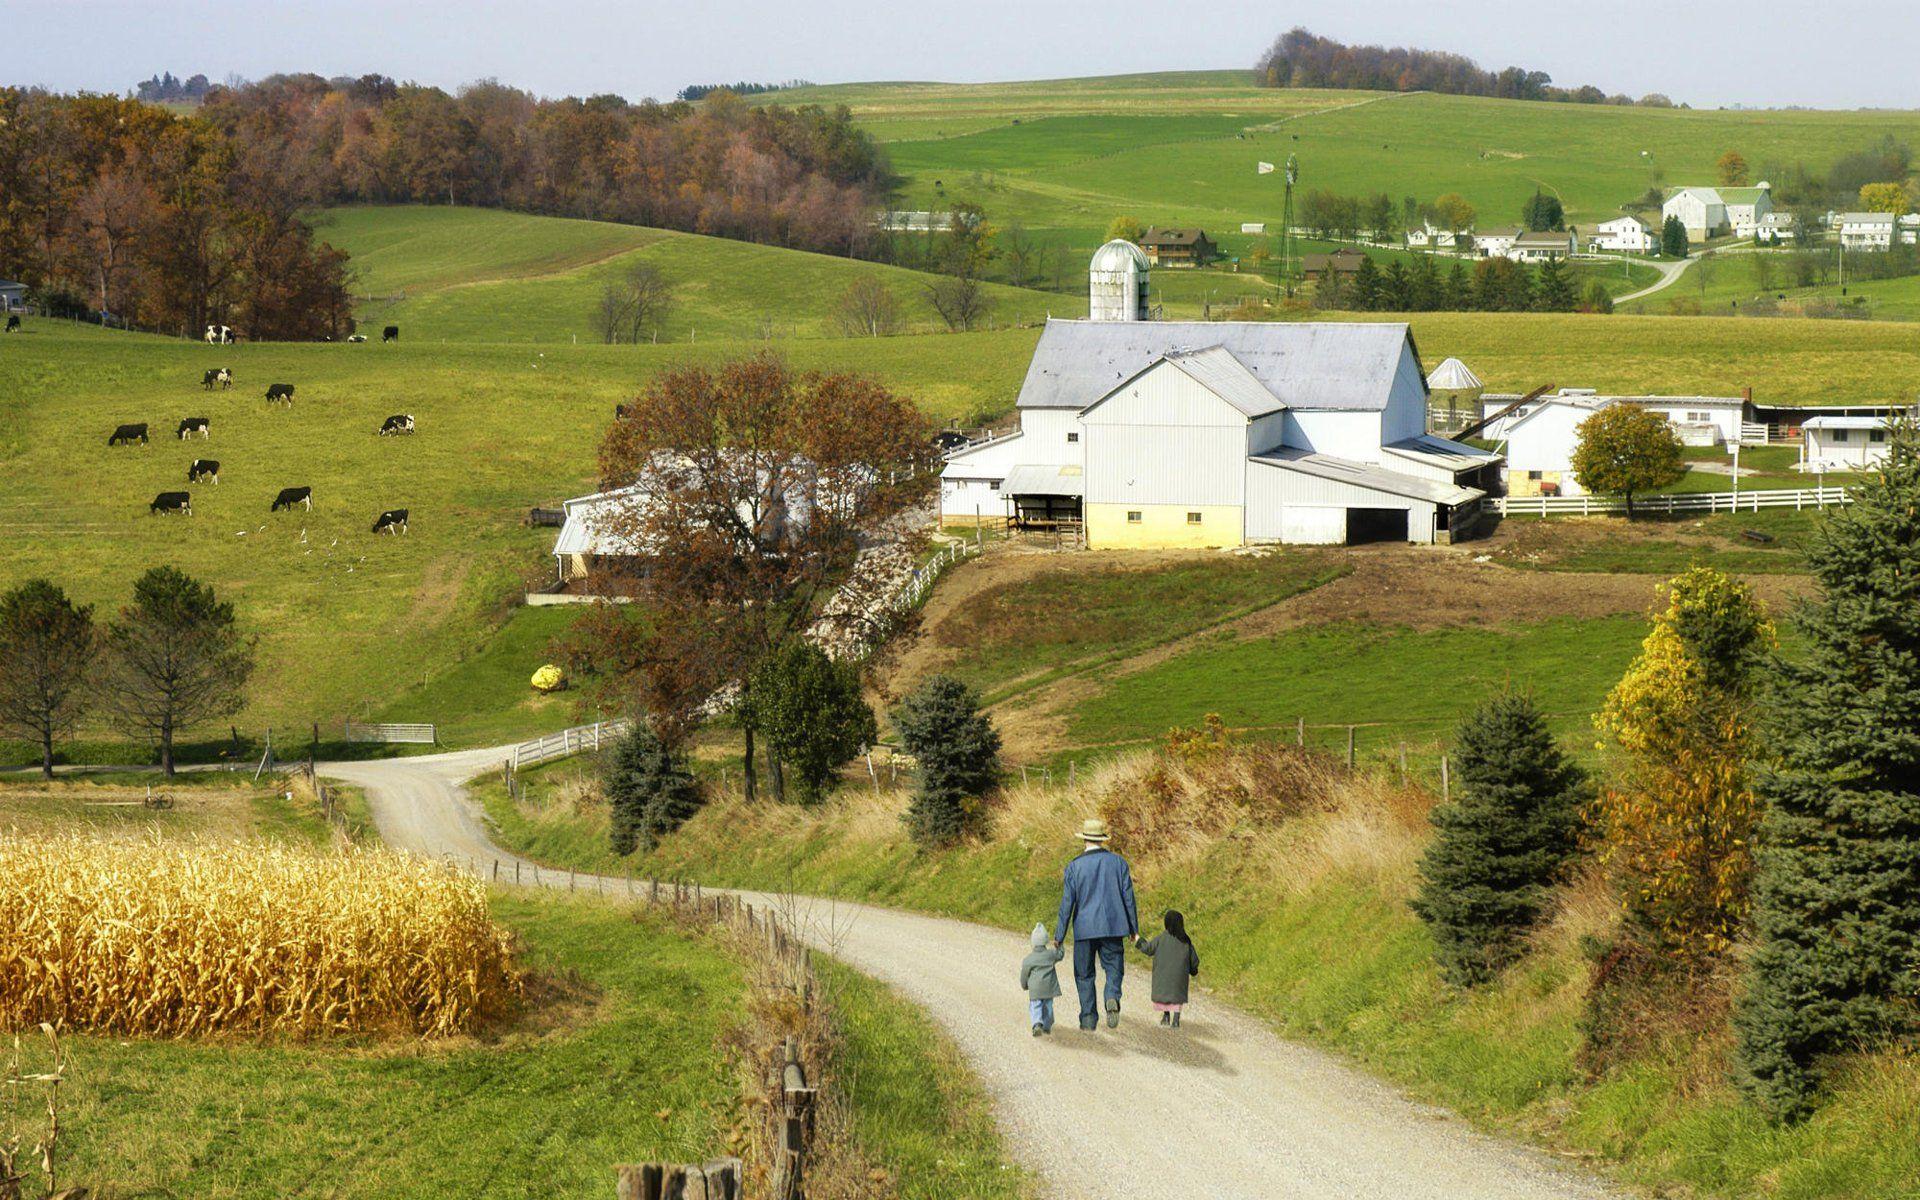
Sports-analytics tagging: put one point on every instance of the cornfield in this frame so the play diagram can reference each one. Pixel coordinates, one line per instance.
(187, 938)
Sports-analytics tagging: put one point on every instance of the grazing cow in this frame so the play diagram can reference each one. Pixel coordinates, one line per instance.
(397, 423)
(13, 322)
(620, 412)
(193, 425)
(204, 469)
(949, 440)
(219, 375)
(213, 334)
(226, 336)
(282, 392)
(394, 520)
(179, 502)
(129, 433)
(390, 334)
(289, 497)
(356, 338)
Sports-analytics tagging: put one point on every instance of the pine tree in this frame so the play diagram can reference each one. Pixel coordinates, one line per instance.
(1368, 287)
(1543, 212)
(647, 791)
(813, 715)
(1837, 894)
(1555, 290)
(1502, 844)
(1458, 296)
(942, 727)
(1673, 238)
(1424, 286)
(1396, 288)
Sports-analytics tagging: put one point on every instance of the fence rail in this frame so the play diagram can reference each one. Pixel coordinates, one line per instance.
(1708, 502)
(567, 741)
(393, 731)
(923, 577)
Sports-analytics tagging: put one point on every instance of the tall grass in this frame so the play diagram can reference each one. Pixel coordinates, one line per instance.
(162, 938)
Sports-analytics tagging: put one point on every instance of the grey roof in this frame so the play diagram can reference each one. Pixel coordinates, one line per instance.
(1217, 370)
(1366, 475)
(1314, 365)
(1044, 479)
(1824, 422)
(1440, 452)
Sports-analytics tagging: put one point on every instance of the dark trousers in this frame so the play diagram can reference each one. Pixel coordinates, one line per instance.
(1112, 953)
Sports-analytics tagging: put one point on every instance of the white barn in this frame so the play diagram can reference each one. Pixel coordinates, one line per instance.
(1624, 235)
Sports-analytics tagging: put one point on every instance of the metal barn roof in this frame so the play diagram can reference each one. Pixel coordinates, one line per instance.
(1317, 365)
(1044, 480)
(1366, 475)
(1844, 423)
(1217, 370)
(1440, 452)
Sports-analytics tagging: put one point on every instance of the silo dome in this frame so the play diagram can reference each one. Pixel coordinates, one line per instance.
(1117, 283)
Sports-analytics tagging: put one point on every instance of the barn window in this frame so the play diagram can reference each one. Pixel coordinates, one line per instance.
(993, 484)
(1533, 475)
(1193, 518)
(1839, 435)
(1073, 437)
(1133, 516)
(1877, 435)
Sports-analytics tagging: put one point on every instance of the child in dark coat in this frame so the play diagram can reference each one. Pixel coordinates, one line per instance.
(1175, 961)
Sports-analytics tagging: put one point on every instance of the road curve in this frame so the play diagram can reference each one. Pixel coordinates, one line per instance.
(1222, 1107)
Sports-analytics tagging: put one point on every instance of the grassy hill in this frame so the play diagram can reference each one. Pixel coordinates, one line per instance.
(1065, 156)
(481, 275)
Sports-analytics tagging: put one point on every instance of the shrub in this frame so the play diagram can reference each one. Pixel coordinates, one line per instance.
(941, 726)
(648, 794)
(812, 712)
(1502, 844)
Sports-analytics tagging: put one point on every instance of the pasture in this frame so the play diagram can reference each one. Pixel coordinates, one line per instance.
(1179, 148)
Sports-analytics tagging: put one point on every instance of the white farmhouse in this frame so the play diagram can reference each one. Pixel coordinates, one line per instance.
(1772, 229)
(1624, 235)
(1540, 436)
(1868, 231)
(1843, 443)
(1747, 206)
(1543, 245)
(1432, 237)
(1195, 434)
(1496, 243)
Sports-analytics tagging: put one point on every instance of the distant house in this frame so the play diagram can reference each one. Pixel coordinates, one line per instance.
(1747, 206)
(1624, 235)
(1540, 436)
(1868, 231)
(1772, 229)
(1909, 229)
(1711, 212)
(1178, 247)
(914, 221)
(1543, 245)
(1496, 243)
(1844, 443)
(1432, 237)
(13, 296)
(1343, 263)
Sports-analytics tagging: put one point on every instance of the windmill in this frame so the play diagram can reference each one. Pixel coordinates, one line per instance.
(1291, 176)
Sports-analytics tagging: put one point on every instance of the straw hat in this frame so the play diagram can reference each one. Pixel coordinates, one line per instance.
(1093, 829)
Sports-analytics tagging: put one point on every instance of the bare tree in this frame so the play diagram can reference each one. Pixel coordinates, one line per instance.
(868, 308)
(1021, 252)
(610, 312)
(960, 300)
(634, 306)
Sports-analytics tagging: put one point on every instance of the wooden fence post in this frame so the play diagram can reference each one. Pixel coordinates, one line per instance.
(1349, 747)
(1300, 732)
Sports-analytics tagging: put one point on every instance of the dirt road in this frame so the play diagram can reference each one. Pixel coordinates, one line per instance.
(1222, 1108)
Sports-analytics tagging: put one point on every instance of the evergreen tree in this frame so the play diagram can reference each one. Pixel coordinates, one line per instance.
(1458, 296)
(1368, 287)
(812, 713)
(1502, 843)
(1396, 288)
(1543, 212)
(647, 791)
(174, 658)
(942, 727)
(47, 646)
(1517, 287)
(1597, 298)
(1555, 290)
(1673, 238)
(1837, 892)
(1424, 286)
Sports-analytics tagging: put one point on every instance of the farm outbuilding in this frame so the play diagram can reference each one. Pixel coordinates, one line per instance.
(1841, 443)
(13, 296)
(1204, 434)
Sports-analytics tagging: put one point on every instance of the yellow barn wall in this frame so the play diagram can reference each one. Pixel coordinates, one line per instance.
(1163, 526)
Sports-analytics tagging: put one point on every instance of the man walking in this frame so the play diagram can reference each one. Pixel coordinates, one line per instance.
(1096, 899)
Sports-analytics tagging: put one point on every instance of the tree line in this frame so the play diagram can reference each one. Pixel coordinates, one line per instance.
(803, 177)
(1755, 816)
(115, 206)
(1299, 58)
(700, 91)
(166, 87)
(1492, 285)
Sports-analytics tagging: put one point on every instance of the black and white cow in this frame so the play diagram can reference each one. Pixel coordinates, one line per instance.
(219, 375)
(289, 497)
(397, 423)
(203, 470)
(356, 338)
(13, 322)
(281, 392)
(394, 520)
(213, 335)
(125, 434)
(179, 502)
(192, 425)
(390, 334)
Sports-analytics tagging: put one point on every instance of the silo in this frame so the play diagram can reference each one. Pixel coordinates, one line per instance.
(1117, 283)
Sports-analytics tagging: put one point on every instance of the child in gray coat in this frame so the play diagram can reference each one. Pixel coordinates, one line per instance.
(1040, 980)
(1175, 961)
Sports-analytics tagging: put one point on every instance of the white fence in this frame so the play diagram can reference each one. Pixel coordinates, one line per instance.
(567, 741)
(923, 577)
(1698, 502)
(424, 734)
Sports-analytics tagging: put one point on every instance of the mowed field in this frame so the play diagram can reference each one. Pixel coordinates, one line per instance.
(474, 274)
(1066, 156)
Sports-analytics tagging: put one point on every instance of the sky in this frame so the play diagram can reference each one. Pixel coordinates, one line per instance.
(1778, 53)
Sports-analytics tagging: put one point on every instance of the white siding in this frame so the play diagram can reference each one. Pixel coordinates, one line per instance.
(1406, 411)
(1164, 440)
(1267, 433)
(1044, 433)
(1282, 503)
(1545, 441)
(1351, 435)
(968, 498)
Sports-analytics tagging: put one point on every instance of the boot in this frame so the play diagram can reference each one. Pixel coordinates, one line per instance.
(1164, 1018)
(1113, 1014)
(1176, 1020)
(1037, 1031)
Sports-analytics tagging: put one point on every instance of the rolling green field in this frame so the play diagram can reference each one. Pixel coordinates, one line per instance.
(482, 275)
(1730, 285)
(1065, 156)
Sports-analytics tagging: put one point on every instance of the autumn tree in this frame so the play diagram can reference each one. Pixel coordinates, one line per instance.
(1126, 229)
(1733, 169)
(1677, 813)
(1501, 845)
(173, 658)
(1452, 211)
(867, 308)
(957, 751)
(813, 714)
(1836, 967)
(1625, 450)
(1883, 198)
(633, 306)
(47, 646)
(750, 487)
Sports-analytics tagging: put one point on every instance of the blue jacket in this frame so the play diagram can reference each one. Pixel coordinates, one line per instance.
(1096, 898)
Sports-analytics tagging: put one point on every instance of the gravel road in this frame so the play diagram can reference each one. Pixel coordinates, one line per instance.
(1221, 1108)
